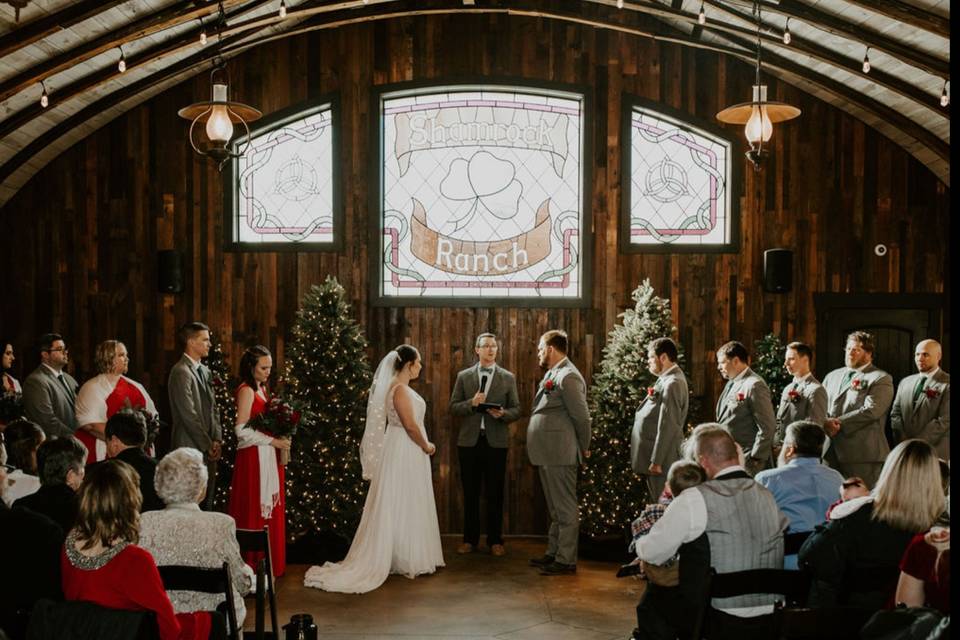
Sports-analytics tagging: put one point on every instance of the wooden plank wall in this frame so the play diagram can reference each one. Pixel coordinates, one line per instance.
(83, 235)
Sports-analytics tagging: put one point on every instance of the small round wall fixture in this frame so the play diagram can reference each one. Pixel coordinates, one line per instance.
(216, 119)
(880, 250)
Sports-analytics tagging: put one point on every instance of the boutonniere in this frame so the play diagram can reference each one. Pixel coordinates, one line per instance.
(931, 392)
(741, 396)
(858, 383)
(651, 392)
(793, 395)
(548, 385)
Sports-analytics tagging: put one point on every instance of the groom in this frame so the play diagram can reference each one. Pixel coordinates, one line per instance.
(558, 438)
(483, 440)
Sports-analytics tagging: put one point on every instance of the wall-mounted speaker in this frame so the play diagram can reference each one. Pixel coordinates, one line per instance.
(777, 270)
(170, 271)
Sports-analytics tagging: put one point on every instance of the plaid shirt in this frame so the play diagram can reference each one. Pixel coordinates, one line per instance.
(653, 512)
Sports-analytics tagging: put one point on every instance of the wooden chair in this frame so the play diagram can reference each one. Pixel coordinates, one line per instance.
(204, 580)
(793, 586)
(258, 541)
(78, 620)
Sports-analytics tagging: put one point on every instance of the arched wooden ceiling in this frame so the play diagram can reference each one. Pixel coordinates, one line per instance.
(73, 47)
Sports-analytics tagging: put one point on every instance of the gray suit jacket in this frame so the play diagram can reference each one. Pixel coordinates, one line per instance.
(559, 429)
(810, 404)
(748, 412)
(929, 418)
(196, 421)
(862, 409)
(658, 423)
(502, 390)
(48, 403)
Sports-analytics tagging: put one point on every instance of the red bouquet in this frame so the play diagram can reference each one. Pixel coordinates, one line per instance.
(279, 419)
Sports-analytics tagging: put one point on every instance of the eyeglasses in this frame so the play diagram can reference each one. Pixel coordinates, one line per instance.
(64, 349)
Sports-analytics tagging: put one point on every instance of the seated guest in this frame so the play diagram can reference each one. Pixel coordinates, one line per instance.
(682, 475)
(31, 563)
(104, 395)
(854, 557)
(60, 463)
(802, 485)
(10, 384)
(211, 537)
(101, 562)
(850, 488)
(23, 438)
(925, 571)
(739, 519)
(126, 433)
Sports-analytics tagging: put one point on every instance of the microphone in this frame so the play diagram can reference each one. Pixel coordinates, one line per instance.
(483, 383)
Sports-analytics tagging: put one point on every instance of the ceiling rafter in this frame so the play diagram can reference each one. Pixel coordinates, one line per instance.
(908, 14)
(52, 23)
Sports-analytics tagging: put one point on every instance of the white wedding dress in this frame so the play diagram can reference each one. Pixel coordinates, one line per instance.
(399, 532)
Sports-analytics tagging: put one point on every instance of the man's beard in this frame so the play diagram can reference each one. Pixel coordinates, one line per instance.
(544, 364)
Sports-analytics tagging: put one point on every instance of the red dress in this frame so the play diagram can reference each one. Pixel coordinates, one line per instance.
(123, 395)
(245, 499)
(130, 581)
(922, 562)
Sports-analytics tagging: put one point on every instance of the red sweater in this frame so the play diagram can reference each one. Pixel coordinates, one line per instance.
(129, 581)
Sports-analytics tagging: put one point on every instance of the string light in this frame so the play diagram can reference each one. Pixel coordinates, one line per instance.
(122, 65)
(44, 98)
(702, 16)
(283, 9)
(944, 96)
(619, 4)
(866, 60)
(203, 34)
(786, 33)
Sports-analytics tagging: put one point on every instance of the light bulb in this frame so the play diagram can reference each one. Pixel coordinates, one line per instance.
(619, 4)
(283, 9)
(122, 65)
(219, 128)
(758, 128)
(203, 37)
(45, 100)
(866, 61)
(944, 96)
(786, 33)
(702, 16)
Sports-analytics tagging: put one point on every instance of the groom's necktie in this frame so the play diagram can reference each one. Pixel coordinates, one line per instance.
(919, 388)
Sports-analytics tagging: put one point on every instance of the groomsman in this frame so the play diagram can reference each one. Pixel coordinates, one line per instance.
(658, 424)
(50, 393)
(921, 408)
(804, 399)
(745, 408)
(483, 440)
(858, 398)
(196, 421)
(558, 439)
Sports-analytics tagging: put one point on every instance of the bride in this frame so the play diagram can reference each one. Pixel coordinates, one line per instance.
(398, 531)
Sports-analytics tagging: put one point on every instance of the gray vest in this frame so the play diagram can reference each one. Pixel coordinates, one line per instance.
(745, 529)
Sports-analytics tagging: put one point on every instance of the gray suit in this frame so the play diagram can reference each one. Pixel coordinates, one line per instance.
(658, 429)
(557, 435)
(809, 404)
(929, 417)
(745, 408)
(860, 403)
(196, 420)
(502, 390)
(50, 403)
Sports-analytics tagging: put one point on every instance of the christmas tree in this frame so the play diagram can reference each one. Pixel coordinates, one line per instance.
(223, 386)
(611, 494)
(767, 362)
(327, 371)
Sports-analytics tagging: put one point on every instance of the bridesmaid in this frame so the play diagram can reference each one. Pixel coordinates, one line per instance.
(256, 490)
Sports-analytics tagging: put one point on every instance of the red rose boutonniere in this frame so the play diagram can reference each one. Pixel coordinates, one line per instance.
(931, 393)
(858, 383)
(548, 386)
(741, 396)
(793, 395)
(651, 392)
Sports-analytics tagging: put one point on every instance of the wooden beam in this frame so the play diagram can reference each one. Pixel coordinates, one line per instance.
(52, 23)
(908, 14)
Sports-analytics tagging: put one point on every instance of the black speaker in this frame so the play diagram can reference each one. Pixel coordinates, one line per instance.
(777, 270)
(170, 271)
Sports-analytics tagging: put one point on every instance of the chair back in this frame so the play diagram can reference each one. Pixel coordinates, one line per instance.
(793, 541)
(204, 580)
(78, 620)
(258, 541)
(825, 623)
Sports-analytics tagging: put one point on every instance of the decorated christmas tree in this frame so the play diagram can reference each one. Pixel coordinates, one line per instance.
(767, 362)
(224, 384)
(611, 494)
(328, 372)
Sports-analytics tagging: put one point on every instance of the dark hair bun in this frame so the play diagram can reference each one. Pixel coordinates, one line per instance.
(407, 354)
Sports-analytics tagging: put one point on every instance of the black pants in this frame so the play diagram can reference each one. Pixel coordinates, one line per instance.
(482, 462)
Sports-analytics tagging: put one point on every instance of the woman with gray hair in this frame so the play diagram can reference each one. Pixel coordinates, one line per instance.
(184, 535)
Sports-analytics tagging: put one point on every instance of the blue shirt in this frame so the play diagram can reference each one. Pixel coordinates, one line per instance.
(804, 489)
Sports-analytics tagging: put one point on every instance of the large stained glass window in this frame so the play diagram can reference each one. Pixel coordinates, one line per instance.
(284, 187)
(481, 196)
(677, 181)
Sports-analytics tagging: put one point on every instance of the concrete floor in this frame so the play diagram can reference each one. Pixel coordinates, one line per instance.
(475, 597)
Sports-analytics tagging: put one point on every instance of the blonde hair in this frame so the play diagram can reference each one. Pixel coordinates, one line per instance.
(106, 352)
(110, 503)
(909, 493)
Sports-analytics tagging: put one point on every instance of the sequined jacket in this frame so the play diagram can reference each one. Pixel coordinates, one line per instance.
(182, 534)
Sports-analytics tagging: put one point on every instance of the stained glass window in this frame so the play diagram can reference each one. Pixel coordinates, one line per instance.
(482, 195)
(284, 185)
(678, 196)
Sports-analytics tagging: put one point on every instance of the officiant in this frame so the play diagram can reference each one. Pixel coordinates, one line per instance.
(486, 402)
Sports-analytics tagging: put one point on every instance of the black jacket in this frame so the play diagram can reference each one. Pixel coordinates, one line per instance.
(146, 467)
(56, 501)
